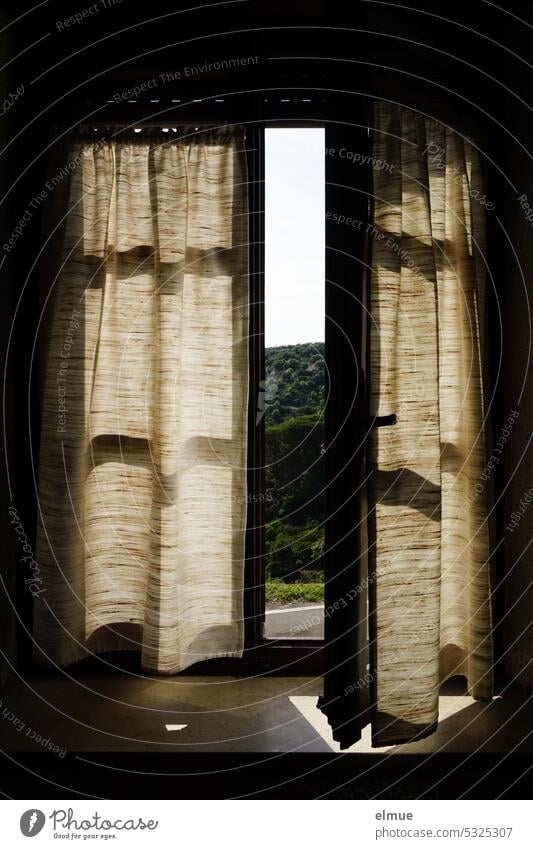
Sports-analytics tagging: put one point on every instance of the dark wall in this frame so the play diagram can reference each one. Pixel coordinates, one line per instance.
(9, 552)
(516, 269)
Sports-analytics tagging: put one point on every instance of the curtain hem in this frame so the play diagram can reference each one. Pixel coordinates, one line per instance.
(384, 738)
(40, 658)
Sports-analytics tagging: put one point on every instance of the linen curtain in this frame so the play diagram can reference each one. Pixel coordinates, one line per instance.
(428, 520)
(142, 476)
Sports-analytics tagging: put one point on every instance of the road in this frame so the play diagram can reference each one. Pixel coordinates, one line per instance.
(305, 621)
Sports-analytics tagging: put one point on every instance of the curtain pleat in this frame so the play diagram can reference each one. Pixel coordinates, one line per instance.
(430, 552)
(142, 477)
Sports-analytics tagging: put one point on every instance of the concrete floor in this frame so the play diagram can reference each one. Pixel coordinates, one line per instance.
(306, 620)
(127, 713)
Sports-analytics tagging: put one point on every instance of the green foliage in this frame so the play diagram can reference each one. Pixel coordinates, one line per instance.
(295, 508)
(295, 470)
(294, 553)
(295, 381)
(276, 591)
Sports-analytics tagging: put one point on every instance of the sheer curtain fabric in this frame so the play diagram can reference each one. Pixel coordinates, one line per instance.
(430, 571)
(142, 477)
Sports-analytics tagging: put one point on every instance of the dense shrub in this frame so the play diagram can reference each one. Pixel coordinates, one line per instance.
(277, 591)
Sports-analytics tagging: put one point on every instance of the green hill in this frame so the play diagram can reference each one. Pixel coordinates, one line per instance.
(294, 381)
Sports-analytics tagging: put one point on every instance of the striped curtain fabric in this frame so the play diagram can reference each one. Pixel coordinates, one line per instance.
(142, 476)
(430, 553)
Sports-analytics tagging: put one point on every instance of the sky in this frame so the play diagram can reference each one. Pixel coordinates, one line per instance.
(294, 235)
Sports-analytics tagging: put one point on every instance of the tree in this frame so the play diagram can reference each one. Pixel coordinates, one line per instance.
(295, 504)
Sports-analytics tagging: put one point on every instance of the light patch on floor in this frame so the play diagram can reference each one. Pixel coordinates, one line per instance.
(466, 725)
(307, 707)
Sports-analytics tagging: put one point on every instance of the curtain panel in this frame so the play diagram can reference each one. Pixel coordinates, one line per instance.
(428, 518)
(142, 473)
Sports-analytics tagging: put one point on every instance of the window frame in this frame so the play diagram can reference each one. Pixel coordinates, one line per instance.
(346, 423)
(287, 655)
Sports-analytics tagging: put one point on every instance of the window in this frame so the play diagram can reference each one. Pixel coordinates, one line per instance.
(293, 393)
(290, 211)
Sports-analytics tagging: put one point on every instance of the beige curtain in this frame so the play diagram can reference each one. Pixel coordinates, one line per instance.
(142, 478)
(427, 293)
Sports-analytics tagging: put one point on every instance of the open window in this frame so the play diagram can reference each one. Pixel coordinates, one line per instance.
(293, 399)
(307, 229)
(288, 382)
(307, 424)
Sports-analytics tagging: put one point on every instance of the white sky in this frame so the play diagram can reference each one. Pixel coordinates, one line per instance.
(294, 235)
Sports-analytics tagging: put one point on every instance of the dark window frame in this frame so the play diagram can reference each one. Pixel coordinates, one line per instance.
(288, 655)
(346, 415)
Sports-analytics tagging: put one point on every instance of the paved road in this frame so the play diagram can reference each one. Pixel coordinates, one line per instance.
(305, 621)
